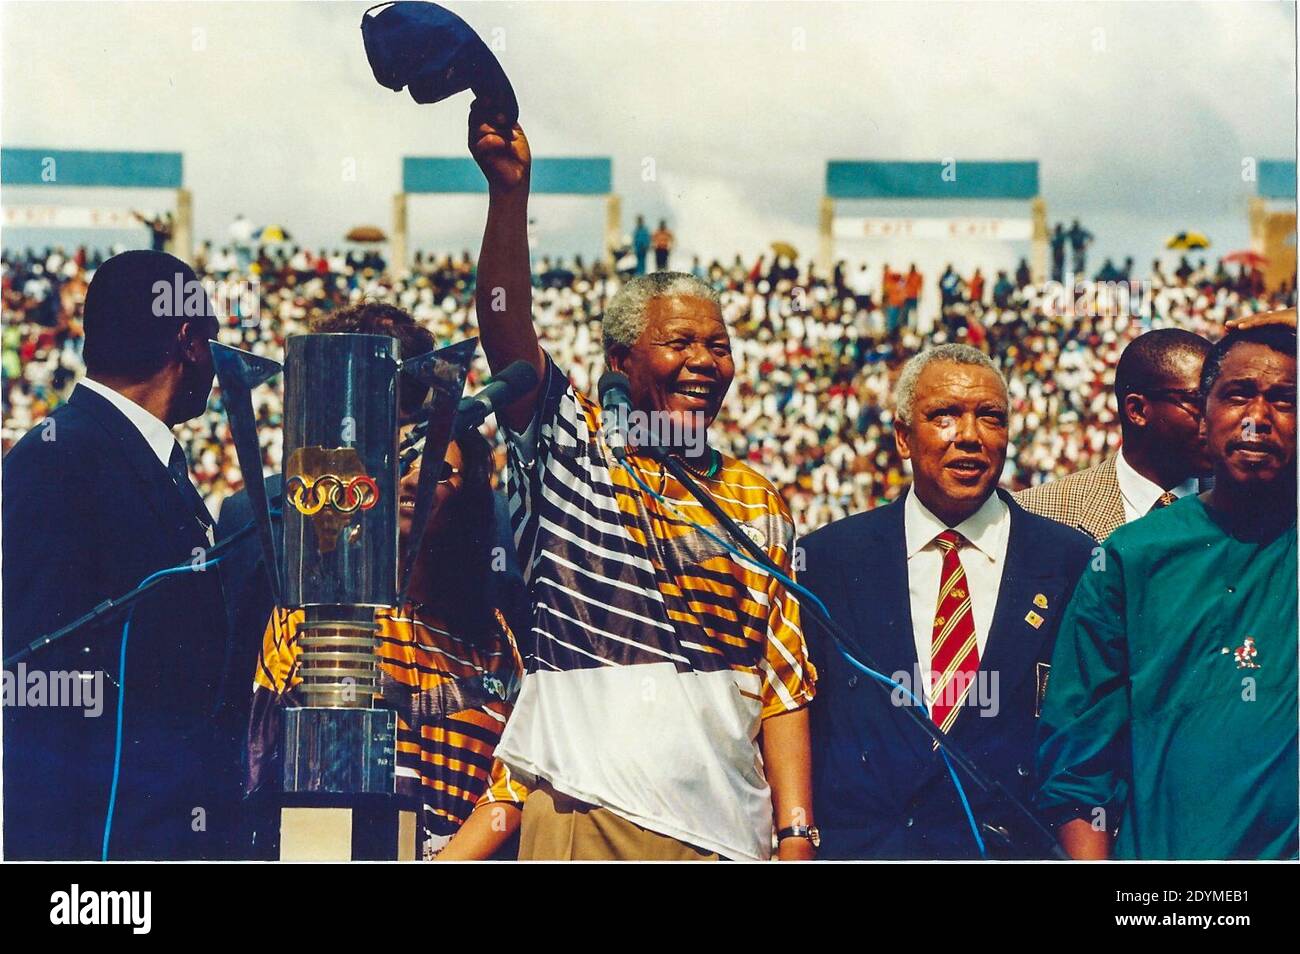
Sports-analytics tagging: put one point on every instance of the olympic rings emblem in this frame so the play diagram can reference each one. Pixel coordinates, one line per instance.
(311, 495)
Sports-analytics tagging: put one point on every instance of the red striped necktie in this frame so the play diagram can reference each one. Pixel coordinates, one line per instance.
(954, 654)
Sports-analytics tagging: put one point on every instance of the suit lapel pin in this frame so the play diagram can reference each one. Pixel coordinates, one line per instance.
(1040, 601)
(1033, 619)
(1244, 654)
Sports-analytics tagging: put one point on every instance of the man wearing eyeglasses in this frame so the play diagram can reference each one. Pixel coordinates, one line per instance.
(1169, 728)
(1156, 389)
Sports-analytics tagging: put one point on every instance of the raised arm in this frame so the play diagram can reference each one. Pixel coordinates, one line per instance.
(503, 294)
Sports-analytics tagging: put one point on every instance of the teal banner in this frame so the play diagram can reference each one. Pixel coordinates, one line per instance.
(1277, 179)
(72, 167)
(972, 179)
(564, 176)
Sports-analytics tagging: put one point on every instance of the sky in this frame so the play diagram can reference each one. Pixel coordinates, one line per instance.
(1141, 115)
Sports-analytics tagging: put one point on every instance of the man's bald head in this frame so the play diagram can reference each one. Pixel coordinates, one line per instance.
(1157, 388)
(1159, 360)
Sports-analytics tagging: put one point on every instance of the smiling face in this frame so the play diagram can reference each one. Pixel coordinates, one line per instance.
(681, 364)
(957, 441)
(445, 492)
(1250, 417)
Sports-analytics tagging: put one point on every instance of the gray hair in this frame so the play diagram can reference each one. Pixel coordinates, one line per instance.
(625, 317)
(905, 389)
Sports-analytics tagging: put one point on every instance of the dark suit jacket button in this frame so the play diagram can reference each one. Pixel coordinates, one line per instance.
(864, 758)
(909, 823)
(1022, 771)
(853, 681)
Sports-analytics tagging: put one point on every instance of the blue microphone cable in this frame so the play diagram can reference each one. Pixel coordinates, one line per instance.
(121, 695)
(812, 597)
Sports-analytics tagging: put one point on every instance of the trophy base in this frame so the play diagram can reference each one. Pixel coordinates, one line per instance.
(376, 830)
(339, 800)
(339, 751)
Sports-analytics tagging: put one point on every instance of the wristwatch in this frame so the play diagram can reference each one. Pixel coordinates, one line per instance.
(801, 831)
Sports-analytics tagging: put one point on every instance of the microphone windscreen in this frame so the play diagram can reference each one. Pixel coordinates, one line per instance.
(520, 376)
(613, 381)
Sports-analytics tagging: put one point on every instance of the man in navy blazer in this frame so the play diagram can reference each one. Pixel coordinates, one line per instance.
(96, 498)
(956, 593)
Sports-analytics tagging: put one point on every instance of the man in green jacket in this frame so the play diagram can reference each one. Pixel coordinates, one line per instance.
(1169, 727)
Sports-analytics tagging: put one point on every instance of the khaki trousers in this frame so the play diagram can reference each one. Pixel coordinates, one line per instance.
(556, 827)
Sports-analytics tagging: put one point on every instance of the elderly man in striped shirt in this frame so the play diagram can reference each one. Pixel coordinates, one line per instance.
(663, 712)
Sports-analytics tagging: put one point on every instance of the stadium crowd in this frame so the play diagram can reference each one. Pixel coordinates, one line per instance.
(816, 354)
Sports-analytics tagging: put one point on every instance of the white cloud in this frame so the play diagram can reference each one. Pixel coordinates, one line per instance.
(1139, 128)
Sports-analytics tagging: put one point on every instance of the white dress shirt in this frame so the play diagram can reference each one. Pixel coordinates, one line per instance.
(1141, 494)
(157, 435)
(982, 557)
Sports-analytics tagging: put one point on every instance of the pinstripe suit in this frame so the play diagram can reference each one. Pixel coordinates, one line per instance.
(1089, 500)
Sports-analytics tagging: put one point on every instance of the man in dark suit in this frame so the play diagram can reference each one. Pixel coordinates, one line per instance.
(97, 497)
(1156, 388)
(249, 602)
(956, 593)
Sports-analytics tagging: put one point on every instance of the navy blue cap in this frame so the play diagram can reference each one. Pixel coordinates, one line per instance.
(434, 54)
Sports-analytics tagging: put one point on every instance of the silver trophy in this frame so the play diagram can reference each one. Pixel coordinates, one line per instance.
(340, 559)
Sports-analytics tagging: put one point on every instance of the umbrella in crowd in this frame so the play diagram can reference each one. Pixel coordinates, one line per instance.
(1248, 257)
(272, 235)
(1187, 241)
(366, 234)
(785, 249)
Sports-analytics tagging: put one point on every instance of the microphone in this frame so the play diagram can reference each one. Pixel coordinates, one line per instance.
(615, 403)
(515, 380)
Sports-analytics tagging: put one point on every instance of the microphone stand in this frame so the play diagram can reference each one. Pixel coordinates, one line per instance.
(842, 639)
(121, 602)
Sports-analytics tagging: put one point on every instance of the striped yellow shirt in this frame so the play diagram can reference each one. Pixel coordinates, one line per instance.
(654, 654)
